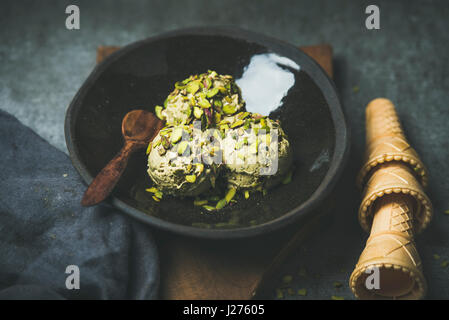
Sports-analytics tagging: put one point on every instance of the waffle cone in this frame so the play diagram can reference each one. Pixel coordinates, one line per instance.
(386, 141)
(391, 250)
(394, 178)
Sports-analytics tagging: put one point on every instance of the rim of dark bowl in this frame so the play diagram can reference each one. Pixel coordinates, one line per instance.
(314, 70)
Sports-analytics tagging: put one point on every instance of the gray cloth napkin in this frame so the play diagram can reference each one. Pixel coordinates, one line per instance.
(44, 229)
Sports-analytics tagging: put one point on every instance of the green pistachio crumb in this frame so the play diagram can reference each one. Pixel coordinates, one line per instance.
(230, 194)
(287, 279)
(199, 203)
(279, 294)
(302, 292)
(221, 204)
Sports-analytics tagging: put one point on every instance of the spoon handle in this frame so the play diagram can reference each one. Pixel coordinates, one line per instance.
(105, 181)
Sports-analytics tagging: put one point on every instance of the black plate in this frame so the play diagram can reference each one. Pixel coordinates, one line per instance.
(142, 74)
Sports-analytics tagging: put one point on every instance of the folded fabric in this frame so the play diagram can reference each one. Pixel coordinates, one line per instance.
(44, 229)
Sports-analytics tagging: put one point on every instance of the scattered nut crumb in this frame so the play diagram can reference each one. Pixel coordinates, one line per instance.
(302, 292)
(287, 279)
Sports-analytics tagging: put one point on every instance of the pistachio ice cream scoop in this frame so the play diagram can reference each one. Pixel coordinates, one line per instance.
(208, 136)
(206, 97)
(256, 151)
(176, 161)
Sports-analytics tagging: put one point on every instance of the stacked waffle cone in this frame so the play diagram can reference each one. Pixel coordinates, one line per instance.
(394, 208)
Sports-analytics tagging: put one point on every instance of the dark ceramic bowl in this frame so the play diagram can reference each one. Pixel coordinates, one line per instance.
(140, 76)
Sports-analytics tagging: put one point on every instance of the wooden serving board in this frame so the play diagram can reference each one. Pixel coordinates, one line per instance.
(236, 269)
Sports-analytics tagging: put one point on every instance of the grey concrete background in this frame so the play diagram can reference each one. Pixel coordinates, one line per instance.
(43, 64)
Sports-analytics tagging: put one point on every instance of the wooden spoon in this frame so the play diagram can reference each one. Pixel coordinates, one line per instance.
(139, 128)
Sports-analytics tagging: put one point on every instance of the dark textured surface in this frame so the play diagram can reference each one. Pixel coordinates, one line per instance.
(44, 229)
(43, 65)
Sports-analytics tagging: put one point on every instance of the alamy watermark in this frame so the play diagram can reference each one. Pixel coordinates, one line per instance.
(72, 22)
(73, 280)
(373, 20)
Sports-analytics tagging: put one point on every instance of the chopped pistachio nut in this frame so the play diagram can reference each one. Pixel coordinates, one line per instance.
(182, 147)
(193, 87)
(148, 148)
(246, 194)
(208, 208)
(152, 190)
(445, 263)
(446, 212)
(158, 194)
(191, 178)
(199, 168)
(287, 279)
(337, 298)
(197, 112)
(156, 198)
(212, 92)
(199, 202)
(158, 111)
(237, 123)
(230, 194)
(176, 135)
(302, 292)
(221, 204)
(229, 109)
(436, 256)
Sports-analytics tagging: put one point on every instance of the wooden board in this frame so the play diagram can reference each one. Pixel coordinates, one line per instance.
(237, 269)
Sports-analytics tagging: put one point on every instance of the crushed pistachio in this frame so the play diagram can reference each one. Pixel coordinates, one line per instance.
(148, 149)
(436, 256)
(191, 178)
(176, 135)
(302, 292)
(221, 204)
(208, 208)
(182, 147)
(230, 194)
(229, 109)
(337, 298)
(287, 279)
(152, 190)
(199, 203)
(445, 263)
(193, 87)
(158, 111)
